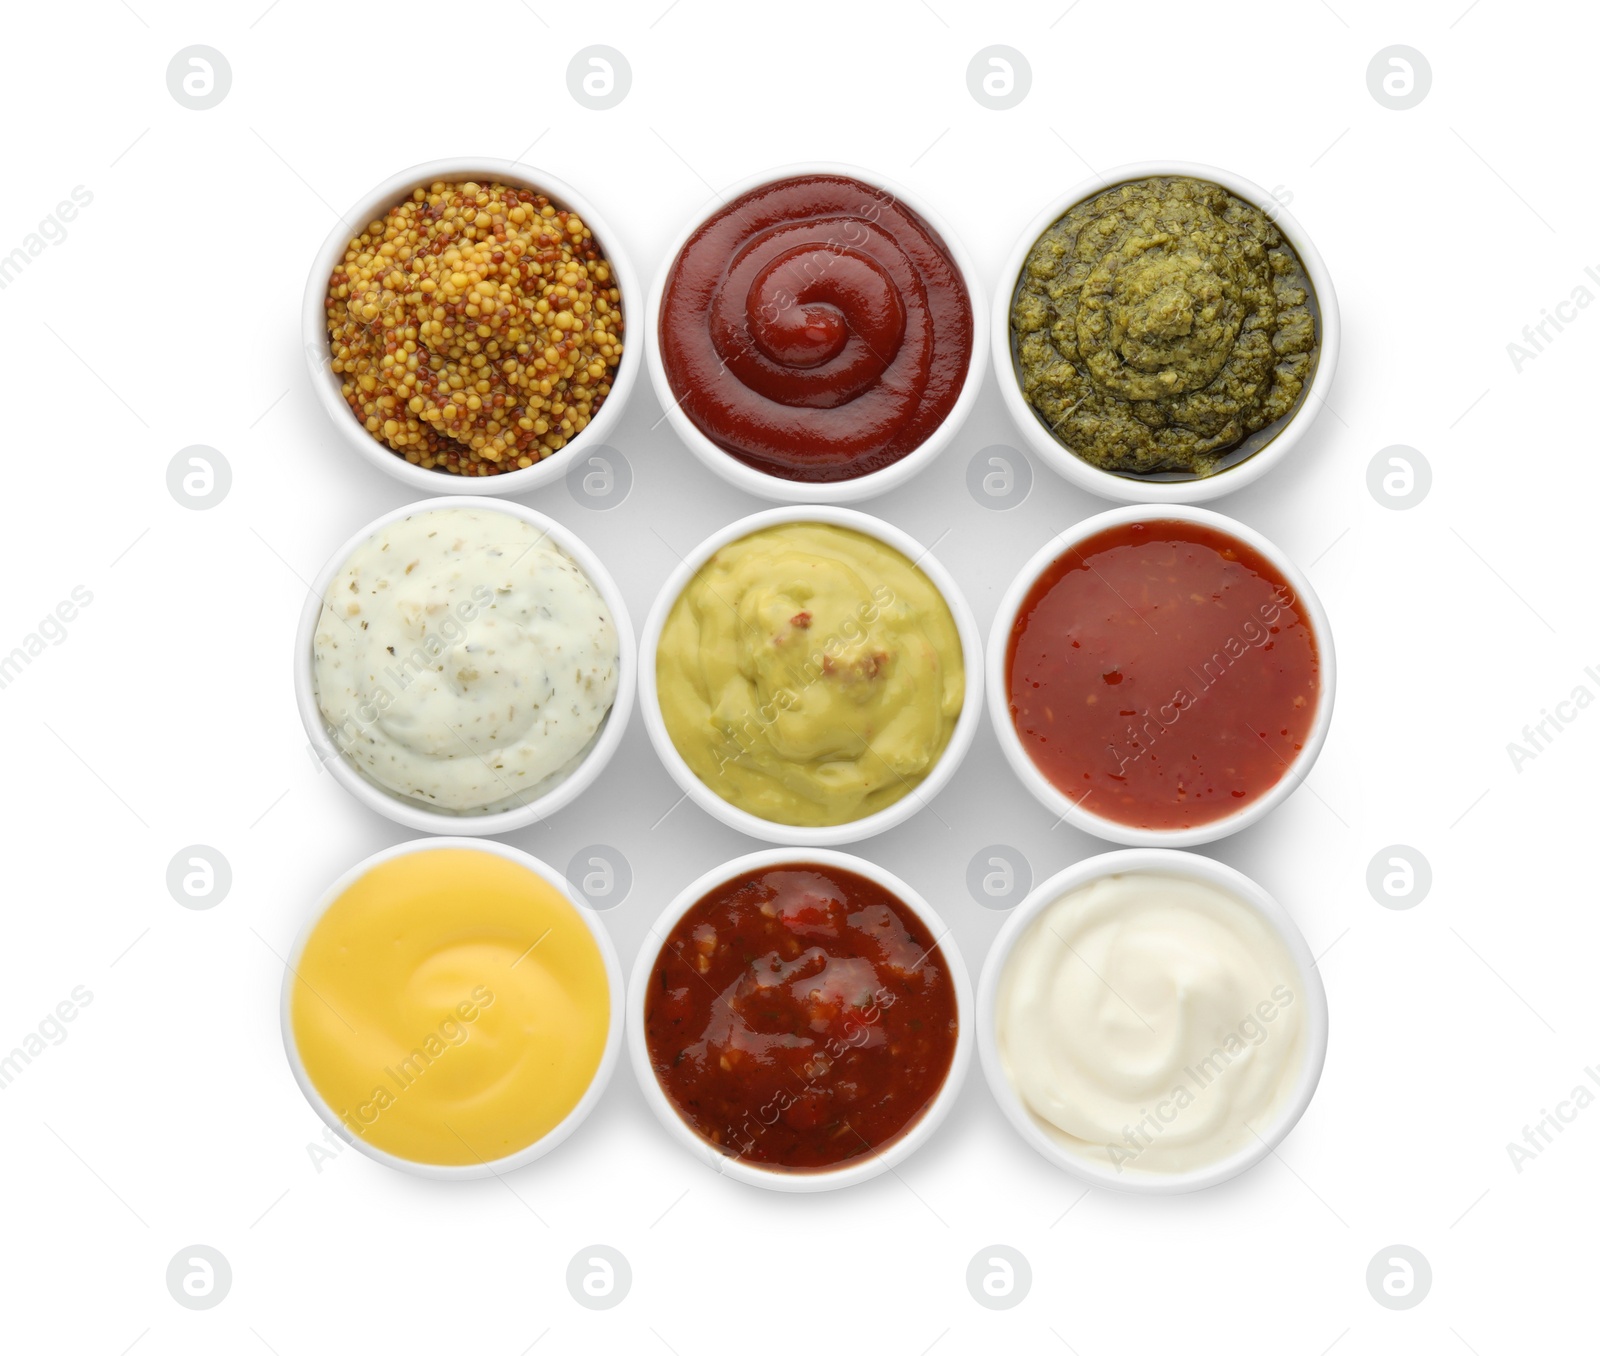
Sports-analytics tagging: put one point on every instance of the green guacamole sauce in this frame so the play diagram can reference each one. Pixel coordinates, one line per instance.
(1164, 326)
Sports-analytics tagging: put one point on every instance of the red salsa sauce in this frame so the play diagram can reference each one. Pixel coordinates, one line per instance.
(800, 1017)
(1163, 672)
(816, 329)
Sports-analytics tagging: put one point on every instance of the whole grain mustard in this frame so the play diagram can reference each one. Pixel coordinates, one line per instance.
(475, 328)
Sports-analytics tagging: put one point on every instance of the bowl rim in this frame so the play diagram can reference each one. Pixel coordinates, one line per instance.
(1125, 489)
(880, 1160)
(1186, 865)
(597, 1084)
(413, 815)
(776, 488)
(314, 334)
(1057, 801)
(793, 836)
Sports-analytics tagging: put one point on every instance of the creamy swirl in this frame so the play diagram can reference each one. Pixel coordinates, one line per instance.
(816, 329)
(1151, 1023)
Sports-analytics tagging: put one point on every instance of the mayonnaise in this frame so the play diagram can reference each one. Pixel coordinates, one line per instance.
(1151, 1023)
(463, 660)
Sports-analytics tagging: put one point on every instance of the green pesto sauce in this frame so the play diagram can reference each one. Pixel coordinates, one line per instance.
(1161, 326)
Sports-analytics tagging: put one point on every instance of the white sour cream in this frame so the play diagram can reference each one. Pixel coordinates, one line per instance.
(463, 660)
(1151, 1023)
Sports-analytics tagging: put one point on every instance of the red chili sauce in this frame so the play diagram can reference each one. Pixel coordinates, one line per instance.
(816, 329)
(1164, 672)
(800, 1017)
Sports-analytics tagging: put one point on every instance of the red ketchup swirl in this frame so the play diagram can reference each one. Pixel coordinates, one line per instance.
(816, 329)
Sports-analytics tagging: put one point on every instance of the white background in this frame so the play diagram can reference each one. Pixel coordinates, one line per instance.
(168, 1116)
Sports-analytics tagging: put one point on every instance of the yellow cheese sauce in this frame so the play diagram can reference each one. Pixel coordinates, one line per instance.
(451, 1006)
(810, 674)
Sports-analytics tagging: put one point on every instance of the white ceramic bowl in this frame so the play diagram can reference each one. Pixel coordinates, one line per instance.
(1191, 866)
(777, 488)
(413, 814)
(814, 1179)
(1140, 489)
(574, 1118)
(314, 327)
(797, 836)
(1057, 801)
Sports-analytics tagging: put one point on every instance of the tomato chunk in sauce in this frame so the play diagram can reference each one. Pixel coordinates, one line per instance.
(800, 1017)
(1162, 673)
